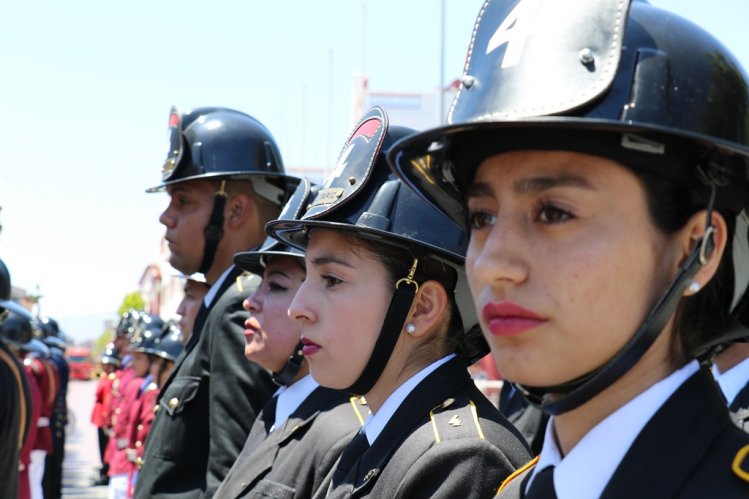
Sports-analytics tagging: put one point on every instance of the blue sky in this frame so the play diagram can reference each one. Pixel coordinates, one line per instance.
(87, 86)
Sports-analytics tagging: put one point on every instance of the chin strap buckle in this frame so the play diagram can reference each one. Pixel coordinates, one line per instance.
(410, 278)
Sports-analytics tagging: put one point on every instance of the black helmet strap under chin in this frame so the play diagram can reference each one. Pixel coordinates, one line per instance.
(291, 368)
(214, 231)
(575, 393)
(396, 316)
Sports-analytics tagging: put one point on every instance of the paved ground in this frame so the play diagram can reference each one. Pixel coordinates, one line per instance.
(81, 448)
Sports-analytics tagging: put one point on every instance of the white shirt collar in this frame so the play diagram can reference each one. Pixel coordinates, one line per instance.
(376, 422)
(211, 294)
(291, 397)
(732, 381)
(602, 449)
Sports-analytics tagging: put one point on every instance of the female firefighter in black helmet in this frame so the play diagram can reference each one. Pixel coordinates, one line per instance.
(298, 436)
(598, 157)
(383, 310)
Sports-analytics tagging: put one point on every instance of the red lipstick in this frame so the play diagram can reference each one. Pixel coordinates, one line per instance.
(309, 347)
(251, 326)
(508, 319)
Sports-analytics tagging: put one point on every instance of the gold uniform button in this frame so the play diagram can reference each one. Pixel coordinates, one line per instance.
(139, 462)
(117, 411)
(140, 427)
(173, 403)
(155, 409)
(138, 443)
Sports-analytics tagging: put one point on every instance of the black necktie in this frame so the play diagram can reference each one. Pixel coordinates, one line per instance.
(269, 413)
(542, 486)
(349, 456)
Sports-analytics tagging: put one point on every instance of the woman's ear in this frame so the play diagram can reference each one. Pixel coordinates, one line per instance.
(696, 231)
(427, 310)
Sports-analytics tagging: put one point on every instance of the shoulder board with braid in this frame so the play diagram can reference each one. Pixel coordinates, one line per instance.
(451, 421)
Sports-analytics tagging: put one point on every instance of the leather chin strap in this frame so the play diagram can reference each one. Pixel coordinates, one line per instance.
(291, 368)
(395, 317)
(214, 231)
(573, 394)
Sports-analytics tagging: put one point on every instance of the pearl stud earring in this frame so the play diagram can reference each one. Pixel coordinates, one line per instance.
(410, 328)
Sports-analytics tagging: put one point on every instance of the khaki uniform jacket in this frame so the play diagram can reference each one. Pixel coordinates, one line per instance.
(446, 440)
(293, 460)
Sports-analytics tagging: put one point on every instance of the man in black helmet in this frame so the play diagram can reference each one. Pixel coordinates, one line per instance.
(225, 178)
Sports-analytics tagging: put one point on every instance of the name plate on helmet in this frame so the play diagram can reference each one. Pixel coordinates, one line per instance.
(355, 164)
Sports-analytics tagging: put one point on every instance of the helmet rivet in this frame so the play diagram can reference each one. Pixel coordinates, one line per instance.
(352, 180)
(586, 56)
(467, 81)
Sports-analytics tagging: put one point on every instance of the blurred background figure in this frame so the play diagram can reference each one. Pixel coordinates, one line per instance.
(162, 350)
(15, 398)
(134, 328)
(16, 329)
(168, 347)
(37, 361)
(141, 410)
(54, 338)
(195, 291)
(100, 416)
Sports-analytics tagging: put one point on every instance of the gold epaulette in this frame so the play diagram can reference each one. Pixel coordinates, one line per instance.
(455, 422)
(740, 464)
(360, 407)
(517, 473)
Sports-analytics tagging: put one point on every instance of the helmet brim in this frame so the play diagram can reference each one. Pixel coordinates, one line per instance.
(440, 163)
(295, 233)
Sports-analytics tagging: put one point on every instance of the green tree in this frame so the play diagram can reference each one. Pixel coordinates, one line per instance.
(131, 300)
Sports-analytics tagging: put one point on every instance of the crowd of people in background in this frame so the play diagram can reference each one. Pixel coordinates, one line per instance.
(134, 367)
(581, 222)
